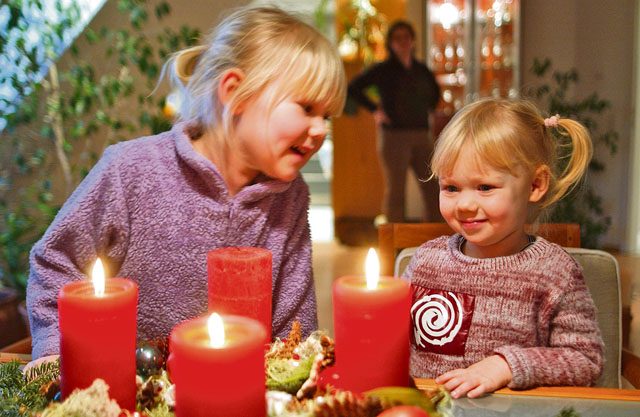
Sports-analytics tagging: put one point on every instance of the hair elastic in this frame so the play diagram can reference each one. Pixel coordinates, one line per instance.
(552, 121)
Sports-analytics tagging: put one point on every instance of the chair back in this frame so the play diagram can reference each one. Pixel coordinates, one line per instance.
(393, 237)
(602, 276)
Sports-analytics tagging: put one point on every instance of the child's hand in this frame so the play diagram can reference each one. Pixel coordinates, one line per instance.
(483, 377)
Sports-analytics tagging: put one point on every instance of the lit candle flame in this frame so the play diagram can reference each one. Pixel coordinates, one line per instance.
(97, 277)
(372, 269)
(216, 330)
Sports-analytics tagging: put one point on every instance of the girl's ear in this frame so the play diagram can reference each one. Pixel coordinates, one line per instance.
(540, 183)
(228, 84)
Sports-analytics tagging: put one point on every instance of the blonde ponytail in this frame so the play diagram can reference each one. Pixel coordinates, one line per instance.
(579, 158)
(184, 63)
(180, 66)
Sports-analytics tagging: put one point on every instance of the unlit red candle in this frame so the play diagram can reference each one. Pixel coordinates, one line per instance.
(240, 282)
(371, 327)
(219, 378)
(98, 337)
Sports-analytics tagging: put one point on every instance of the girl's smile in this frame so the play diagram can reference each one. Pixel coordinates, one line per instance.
(471, 225)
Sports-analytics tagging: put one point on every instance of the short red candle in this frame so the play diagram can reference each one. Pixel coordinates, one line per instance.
(98, 338)
(371, 333)
(228, 381)
(240, 283)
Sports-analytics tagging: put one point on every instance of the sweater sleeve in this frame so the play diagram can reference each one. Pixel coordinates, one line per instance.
(91, 223)
(574, 354)
(294, 290)
(360, 83)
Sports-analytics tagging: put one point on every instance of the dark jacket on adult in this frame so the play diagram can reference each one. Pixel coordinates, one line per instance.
(406, 95)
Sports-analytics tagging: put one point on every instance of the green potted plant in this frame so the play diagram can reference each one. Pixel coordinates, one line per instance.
(583, 205)
(61, 119)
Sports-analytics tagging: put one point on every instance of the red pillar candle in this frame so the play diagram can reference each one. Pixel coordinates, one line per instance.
(371, 326)
(98, 337)
(223, 379)
(240, 283)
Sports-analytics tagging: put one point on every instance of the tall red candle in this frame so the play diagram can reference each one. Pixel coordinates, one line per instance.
(98, 338)
(240, 283)
(224, 381)
(371, 328)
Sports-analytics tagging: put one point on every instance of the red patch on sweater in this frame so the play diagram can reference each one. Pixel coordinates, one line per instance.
(440, 320)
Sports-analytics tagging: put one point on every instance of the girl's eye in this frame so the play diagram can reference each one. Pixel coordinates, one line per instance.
(485, 187)
(450, 188)
(308, 108)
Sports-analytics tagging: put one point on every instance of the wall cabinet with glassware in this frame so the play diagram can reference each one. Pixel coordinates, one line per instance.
(473, 48)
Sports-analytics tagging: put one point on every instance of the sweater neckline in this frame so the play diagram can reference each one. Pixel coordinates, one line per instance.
(530, 241)
(530, 252)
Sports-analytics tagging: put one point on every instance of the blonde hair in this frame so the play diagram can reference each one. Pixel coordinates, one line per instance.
(267, 45)
(511, 134)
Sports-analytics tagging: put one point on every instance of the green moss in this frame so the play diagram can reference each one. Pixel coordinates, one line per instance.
(287, 375)
(91, 402)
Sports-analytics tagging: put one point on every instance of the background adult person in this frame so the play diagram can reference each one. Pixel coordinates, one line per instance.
(408, 94)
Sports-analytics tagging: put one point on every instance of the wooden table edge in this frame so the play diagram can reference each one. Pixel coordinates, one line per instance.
(562, 392)
(10, 357)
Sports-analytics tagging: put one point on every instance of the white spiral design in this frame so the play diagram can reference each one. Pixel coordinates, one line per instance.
(437, 320)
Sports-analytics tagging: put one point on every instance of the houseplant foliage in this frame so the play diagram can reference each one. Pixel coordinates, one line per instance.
(582, 205)
(68, 110)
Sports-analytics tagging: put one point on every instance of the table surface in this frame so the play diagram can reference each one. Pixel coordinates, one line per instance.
(546, 402)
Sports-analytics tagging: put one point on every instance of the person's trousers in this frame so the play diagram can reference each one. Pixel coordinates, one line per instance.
(400, 150)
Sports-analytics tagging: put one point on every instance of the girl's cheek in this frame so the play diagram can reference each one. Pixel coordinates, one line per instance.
(447, 206)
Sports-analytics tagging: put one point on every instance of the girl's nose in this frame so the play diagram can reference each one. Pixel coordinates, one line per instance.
(467, 202)
(318, 128)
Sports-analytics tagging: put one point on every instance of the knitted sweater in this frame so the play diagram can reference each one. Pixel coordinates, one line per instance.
(532, 308)
(152, 208)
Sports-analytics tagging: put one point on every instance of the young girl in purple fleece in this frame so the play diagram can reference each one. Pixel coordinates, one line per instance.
(256, 100)
(493, 306)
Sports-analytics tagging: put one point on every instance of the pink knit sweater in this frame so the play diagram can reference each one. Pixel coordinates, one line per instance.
(533, 308)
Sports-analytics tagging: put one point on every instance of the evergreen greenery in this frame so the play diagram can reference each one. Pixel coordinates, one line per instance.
(70, 109)
(583, 205)
(21, 395)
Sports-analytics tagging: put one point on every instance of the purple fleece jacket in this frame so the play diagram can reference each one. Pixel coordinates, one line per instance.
(152, 208)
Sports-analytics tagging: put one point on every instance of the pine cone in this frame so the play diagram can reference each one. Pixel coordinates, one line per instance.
(346, 403)
(149, 395)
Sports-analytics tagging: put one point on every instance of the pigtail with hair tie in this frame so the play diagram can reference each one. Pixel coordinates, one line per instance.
(185, 61)
(552, 121)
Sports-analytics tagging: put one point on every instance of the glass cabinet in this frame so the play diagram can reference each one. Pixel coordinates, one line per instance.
(473, 48)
